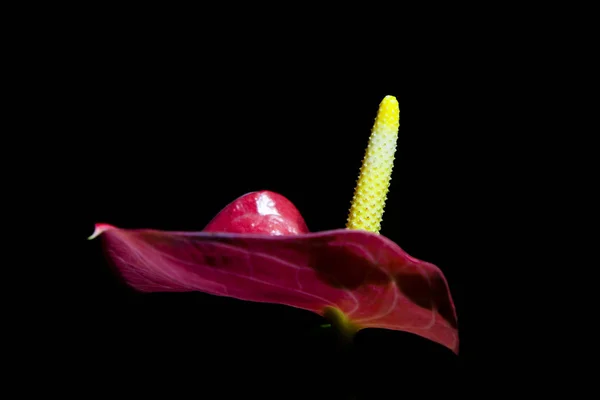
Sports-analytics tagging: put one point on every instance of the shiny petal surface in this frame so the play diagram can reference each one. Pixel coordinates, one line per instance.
(365, 275)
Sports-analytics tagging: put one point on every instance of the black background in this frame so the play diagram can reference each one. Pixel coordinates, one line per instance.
(167, 135)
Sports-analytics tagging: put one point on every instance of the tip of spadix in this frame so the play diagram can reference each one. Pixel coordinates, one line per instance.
(389, 104)
(99, 229)
(388, 116)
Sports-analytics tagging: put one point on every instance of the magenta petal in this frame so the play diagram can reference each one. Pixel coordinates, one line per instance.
(259, 212)
(367, 276)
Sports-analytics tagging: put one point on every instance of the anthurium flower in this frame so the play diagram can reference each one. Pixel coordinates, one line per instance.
(258, 248)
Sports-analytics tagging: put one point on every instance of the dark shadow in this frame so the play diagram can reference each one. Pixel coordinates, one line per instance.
(346, 268)
(427, 294)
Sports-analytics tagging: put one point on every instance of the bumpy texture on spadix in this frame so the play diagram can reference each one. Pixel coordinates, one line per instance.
(259, 249)
(373, 183)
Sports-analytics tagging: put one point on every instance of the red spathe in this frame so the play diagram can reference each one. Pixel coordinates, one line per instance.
(258, 248)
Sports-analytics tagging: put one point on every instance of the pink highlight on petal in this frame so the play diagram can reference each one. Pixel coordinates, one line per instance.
(99, 229)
